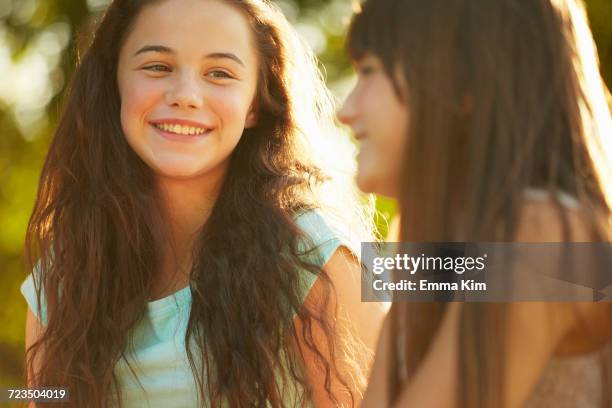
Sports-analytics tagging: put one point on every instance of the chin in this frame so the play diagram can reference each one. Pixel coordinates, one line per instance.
(365, 183)
(176, 174)
(183, 170)
(374, 185)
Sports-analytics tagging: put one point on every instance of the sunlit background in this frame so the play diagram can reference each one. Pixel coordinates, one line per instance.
(39, 40)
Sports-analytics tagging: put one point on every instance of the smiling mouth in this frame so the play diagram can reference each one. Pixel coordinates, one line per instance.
(181, 129)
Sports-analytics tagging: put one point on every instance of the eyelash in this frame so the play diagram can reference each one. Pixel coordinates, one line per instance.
(218, 71)
(156, 68)
(365, 70)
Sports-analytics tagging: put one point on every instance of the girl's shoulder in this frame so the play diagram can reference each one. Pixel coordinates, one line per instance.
(544, 220)
(323, 234)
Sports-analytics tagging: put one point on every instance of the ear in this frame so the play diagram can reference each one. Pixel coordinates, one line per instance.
(251, 119)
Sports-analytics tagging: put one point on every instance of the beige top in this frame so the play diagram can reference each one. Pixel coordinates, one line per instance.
(574, 382)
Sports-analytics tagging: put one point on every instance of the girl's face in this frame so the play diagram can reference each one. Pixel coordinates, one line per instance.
(187, 77)
(380, 122)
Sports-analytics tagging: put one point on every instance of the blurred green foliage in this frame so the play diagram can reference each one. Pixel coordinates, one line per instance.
(38, 39)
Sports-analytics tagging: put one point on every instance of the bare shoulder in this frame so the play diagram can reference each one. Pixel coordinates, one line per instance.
(541, 220)
(344, 271)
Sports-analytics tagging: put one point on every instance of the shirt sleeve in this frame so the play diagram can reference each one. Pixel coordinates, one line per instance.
(322, 241)
(28, 291)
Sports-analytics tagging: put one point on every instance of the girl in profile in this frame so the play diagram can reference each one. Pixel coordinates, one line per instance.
(188, 249)
(488, 121)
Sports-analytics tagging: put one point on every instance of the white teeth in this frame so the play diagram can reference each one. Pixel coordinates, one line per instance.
(180, 129)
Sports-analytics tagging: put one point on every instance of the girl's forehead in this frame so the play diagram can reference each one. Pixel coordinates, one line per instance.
(186, 26)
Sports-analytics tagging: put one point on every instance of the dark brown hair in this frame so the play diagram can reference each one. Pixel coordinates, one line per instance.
(97, 229)
(502, 96)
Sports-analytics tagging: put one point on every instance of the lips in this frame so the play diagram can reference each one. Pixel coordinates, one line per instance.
(359, 136)
(359, 131)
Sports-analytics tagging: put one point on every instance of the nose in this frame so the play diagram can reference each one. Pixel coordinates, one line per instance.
(185, 93)
(348, 111)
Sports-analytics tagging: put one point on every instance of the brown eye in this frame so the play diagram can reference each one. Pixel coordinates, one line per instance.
(218, 74)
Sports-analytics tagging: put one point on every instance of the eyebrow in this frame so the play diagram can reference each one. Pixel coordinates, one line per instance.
(165, 50)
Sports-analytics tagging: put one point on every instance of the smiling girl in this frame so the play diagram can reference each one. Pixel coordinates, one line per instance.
(488, 120)
(184, 253)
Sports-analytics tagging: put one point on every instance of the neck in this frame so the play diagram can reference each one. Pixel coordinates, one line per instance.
(186, 205)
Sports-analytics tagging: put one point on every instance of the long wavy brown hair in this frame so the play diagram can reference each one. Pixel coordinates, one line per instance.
(502, 96)
(96, 231)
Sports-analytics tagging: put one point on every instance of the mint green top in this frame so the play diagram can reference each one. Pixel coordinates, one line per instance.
(159, 357)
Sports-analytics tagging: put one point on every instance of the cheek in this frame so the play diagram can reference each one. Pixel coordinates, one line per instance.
(380, 161)
(137, 99)
(391, 147)
(393, 118)
(230, 105)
